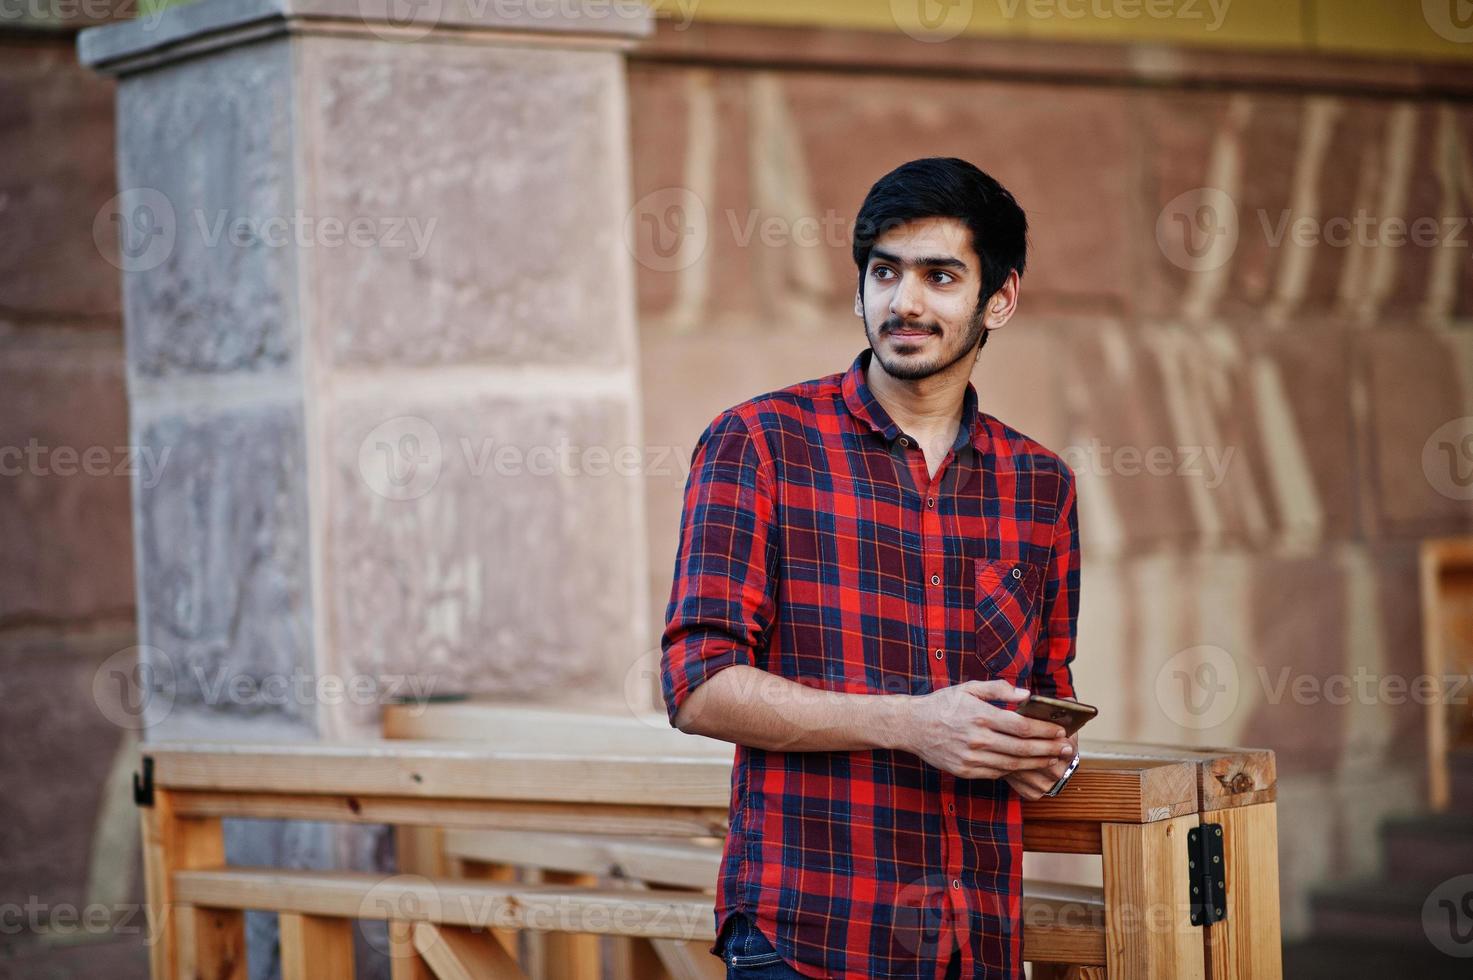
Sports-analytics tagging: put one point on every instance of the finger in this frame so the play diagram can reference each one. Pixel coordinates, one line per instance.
(1008, 763)
(996, 690)
(1025, 747)
(1016, 724)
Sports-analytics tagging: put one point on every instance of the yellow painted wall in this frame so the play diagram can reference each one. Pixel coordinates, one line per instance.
(1420, 29)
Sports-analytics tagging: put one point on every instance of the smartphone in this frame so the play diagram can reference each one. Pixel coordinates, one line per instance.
(1068, 715)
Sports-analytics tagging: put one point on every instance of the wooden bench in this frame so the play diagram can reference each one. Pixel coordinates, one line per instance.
(653, 821)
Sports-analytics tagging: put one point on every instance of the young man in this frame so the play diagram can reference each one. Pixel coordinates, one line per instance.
(872, 572)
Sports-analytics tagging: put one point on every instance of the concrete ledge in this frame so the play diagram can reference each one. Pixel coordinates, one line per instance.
(188, 29)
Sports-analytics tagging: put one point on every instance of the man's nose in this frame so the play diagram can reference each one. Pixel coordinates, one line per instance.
(907, 299)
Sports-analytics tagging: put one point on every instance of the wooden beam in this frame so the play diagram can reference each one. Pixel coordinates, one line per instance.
(172, 842)
(1149, 934)
(290, 775)
(211, 943)
(316, 947)
(363, 895)
(460, 954)
(1247, 944)
(568, 955)
(1120, 790)
(677, 863)
(1226, 777)
(675, 821)
(518, 728)
(405, 963)
(449, 770)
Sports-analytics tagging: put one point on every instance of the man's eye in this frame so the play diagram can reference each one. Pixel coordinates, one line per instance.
(880, 271)
(947, 277)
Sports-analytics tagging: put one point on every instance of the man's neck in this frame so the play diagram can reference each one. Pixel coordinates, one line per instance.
(929, 409)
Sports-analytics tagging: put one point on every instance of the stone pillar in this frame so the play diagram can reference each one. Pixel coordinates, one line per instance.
(380, 338)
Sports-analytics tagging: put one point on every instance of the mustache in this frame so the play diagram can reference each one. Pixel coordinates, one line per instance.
(894, 323)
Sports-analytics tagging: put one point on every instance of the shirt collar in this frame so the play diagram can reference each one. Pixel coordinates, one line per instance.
(865, 407)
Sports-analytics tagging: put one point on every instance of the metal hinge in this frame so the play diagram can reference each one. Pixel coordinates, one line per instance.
(1207, 874)
(143, 788)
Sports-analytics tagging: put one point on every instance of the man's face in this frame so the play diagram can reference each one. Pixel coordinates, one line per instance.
(920, 299)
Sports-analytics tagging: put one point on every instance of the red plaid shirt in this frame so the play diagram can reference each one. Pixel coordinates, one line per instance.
(815, 544)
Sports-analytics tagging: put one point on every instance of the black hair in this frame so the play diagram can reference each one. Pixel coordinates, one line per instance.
(947, 187)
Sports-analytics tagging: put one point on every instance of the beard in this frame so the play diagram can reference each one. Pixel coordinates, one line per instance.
(915, 367)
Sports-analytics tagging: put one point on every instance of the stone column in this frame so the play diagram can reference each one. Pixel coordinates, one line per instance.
(380, 339)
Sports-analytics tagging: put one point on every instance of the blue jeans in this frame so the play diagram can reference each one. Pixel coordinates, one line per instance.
(749, 956)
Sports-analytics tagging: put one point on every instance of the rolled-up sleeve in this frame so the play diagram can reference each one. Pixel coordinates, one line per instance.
(1052, 673)
(721, 600)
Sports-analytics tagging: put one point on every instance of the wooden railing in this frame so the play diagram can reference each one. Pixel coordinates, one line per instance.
(626, 841)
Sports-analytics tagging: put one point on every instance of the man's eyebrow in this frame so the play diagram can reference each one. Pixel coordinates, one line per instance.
(925, 261)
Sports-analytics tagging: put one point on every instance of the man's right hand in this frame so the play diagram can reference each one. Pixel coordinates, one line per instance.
(956, 730)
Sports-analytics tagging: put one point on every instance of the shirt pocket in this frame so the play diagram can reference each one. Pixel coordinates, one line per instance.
(1006, 611)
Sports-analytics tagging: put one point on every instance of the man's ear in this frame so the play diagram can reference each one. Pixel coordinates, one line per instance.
(859, 304)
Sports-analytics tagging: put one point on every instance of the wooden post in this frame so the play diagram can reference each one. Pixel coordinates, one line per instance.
(211, 943)
(405, 963)
(1148, 929)
(172, 843)
(315, 947)
(1247, 944)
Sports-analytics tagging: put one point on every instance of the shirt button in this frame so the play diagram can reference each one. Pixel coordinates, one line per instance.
(951, 808)
(935, 579)
(904, 441)
(938, 654)
(956, 883)
(1017, 572)
(930, 501)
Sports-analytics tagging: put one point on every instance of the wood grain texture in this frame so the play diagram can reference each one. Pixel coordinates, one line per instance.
(1247, 945)
(460, 954)
(316, 947)
(1149, 935)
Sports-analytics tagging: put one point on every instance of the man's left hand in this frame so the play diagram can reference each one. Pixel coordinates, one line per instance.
(1031, 784)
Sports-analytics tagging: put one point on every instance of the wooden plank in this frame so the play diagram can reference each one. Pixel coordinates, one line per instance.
(450, 770)
(460, 954)
(1062, 836)
(1120, 790)
(172, 842)
(480, 871)
(677, 863)
(676, 821)
(571, 729)
(1149, 935)
(1247, 944)
(420, 850)
(364, 895)
(684, 961)
(1123, 790)
(1226, 777)
(1060, 971)
(211, 943)
(574, 956)
(316, 947)
(405, 963)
